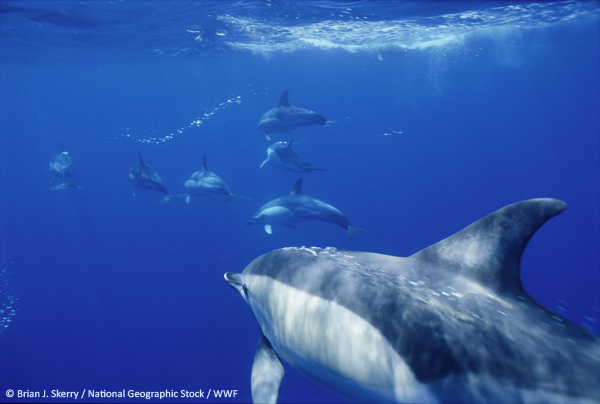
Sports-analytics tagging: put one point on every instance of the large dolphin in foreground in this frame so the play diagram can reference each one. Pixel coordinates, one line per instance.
(297, 207)
(285, 117)
(145, 177)
(451, 323)
(282, 155)
(206, 183)
(63, 168)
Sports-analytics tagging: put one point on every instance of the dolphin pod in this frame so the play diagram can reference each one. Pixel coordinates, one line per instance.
(451, 323)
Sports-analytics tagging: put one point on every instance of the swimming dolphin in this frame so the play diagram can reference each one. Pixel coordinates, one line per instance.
(63, 168)
(206, 183)
(282, 155)
(284, 118)
(144, 176)
(451, 323)
(297, 207)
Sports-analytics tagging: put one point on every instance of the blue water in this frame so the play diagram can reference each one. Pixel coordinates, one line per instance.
(454, 109)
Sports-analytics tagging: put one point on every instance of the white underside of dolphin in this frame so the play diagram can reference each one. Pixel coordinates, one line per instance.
(451, 323)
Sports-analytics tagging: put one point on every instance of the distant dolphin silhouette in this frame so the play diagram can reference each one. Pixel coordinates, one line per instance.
(284, 118)
(206, 183)
(297, 207)
(282, 155)
(63, 168)
(451, 323)
(144, 176)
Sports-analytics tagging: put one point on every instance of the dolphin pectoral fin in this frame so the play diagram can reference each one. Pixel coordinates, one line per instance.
(187, 199)
(267, 373)
(264, 162)
(354, 231)
(268, 137)
(268, 229)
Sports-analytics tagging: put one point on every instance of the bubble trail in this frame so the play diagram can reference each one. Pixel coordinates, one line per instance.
(196, 122)
(8, 298)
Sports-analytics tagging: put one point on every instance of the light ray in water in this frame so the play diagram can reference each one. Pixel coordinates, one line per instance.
(8, 297)
(196, 122)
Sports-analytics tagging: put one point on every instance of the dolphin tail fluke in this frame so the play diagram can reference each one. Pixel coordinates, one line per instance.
(354, 231)
(267, 373)
(329, 123)
(231, 197)
(170, 197)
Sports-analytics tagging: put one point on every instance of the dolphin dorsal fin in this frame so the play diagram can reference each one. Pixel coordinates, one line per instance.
(204, 167)
(297, 190)
(283, 102)
(490, 249)
(141, 159)
(289, 144)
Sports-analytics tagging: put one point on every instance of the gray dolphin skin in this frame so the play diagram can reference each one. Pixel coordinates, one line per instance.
(143, 176)
(206, 183)
(285, 118)
(297, 207)
(282, 155)
(451, 323)
(63, 168)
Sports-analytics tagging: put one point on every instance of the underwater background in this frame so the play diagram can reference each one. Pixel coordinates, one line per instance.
(454, 109)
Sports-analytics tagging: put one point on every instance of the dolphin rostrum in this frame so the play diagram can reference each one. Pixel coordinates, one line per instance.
(144, 176)
(451, 323)
(285, 117)
(206, 183)
(63, 168)
(297, 207)
(282, 155)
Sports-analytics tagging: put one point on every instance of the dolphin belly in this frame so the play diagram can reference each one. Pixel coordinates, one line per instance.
(278, 215)
(332, 345)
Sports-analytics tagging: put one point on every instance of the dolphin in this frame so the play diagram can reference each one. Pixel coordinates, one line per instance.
(282, 155)
(206, 183)
(63, 168)
(145, 177)
(284, 118)
(451, 323)
(297, 207)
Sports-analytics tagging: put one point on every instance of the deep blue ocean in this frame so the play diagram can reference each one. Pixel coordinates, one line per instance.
(455, 109)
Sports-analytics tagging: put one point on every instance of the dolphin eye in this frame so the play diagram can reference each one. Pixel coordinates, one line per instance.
(245, 289)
